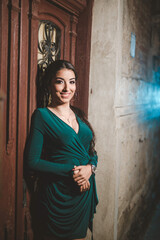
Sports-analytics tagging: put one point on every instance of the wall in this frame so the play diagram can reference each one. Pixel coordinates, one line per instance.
(101, 110)
(127, 137)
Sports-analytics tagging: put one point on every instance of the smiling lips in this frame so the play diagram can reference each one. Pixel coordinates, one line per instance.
(65, 94)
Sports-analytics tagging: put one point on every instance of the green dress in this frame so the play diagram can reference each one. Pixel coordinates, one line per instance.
(53, 149)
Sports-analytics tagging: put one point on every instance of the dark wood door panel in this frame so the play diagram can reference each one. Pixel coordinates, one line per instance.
(22, 114)
(9, 82)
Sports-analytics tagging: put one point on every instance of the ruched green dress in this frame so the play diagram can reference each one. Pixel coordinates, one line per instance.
(53, 149)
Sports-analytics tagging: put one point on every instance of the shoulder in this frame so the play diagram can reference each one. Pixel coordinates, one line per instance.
(40, 119)
(39, 115)
(39, 112)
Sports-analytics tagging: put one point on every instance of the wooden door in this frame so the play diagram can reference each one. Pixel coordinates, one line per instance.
(20, 21)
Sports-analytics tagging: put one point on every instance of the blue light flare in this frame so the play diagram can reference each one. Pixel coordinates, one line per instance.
(148, 101)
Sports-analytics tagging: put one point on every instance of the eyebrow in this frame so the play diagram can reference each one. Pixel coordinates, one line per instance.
(63, 78)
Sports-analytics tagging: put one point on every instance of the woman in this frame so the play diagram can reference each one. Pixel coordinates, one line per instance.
(61, 150)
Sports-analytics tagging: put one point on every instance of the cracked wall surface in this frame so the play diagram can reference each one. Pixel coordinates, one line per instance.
(127, 139)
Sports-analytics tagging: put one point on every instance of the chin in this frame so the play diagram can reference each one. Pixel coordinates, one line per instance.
(65, 100)
(62, 101)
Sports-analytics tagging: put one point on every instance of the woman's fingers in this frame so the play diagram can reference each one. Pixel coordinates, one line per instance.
(76, 171)
(81, 182)
(83, 174)
(88, 184)
(78, 167)
(81, 188)
(85, 186)
(79, 178)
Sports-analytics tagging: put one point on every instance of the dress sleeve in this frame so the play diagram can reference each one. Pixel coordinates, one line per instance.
(94, 159)
(34, 148)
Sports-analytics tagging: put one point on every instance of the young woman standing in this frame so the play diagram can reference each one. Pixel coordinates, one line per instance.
(61, 150)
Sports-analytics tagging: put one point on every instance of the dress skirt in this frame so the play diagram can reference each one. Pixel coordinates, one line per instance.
(53, 150)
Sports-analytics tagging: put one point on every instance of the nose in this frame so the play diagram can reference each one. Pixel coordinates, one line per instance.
(66, 87)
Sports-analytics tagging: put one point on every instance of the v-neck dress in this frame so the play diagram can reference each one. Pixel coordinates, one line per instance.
(53, 149)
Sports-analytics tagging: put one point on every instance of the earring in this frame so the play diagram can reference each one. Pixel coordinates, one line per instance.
(76, 94)
(74, 98)
(49, 99)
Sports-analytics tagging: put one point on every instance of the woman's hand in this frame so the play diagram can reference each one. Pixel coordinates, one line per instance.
(82, 174)
(85, 187)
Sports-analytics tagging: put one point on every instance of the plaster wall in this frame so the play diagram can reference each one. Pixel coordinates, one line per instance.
(101, 110)
(127, 146)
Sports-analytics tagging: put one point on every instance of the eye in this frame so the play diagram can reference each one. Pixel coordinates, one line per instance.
(58, 81)
(72, 82)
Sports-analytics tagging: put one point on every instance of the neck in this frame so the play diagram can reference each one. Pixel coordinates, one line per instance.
(61, 107)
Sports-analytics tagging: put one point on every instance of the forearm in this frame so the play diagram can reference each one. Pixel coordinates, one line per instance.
(41, 165)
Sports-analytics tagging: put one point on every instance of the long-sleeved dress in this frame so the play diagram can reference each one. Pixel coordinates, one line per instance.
(53, 149)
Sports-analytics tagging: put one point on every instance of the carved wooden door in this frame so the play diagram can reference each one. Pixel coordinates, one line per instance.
(53, 36)
(34, 32)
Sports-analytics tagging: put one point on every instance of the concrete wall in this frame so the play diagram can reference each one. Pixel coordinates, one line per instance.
(127, 144)
(101, 110)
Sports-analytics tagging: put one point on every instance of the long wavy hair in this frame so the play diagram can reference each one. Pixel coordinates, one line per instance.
(49, 74)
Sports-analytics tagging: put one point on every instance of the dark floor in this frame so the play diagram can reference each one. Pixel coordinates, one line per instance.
(153, 230)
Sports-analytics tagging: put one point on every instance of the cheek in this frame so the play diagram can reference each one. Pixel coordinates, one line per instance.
(57, 88)
(74, 88)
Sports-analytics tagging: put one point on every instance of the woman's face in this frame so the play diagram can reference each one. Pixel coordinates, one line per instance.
(63, 86)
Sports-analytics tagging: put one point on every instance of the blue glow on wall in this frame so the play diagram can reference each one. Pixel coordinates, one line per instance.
(148, 101)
